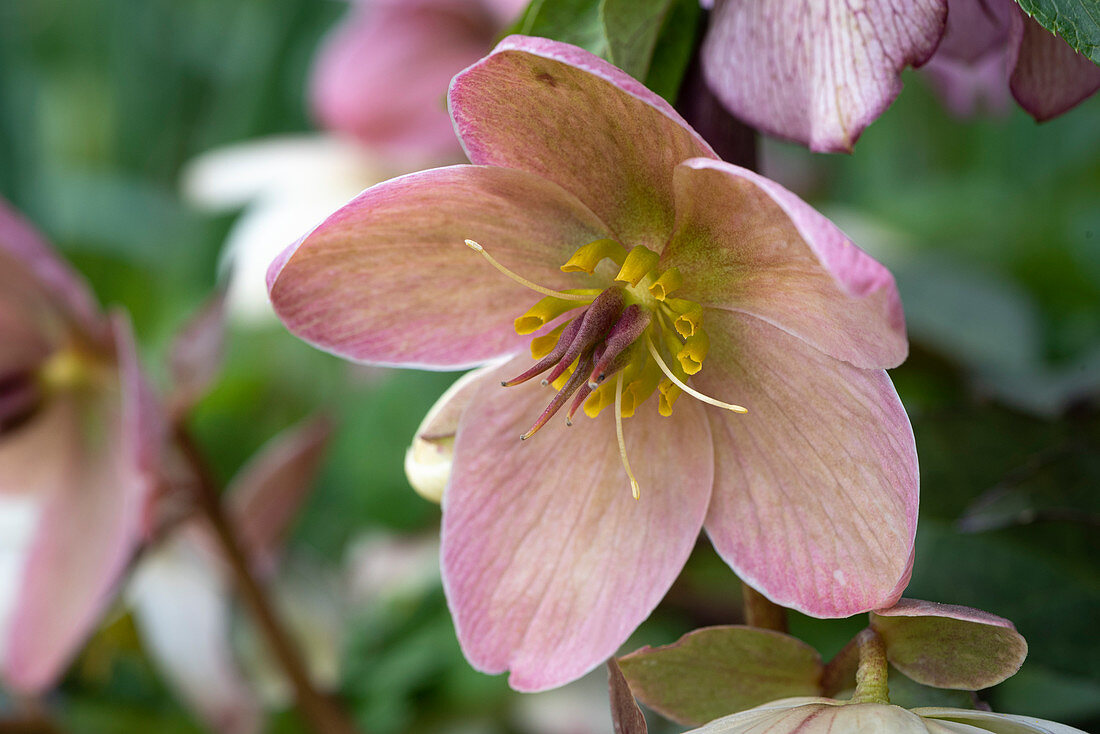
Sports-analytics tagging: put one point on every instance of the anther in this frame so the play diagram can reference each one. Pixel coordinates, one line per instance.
(694, 351)
(545, 311)
(588, 257)
(669, 281)
(689, 390)
(523, 281)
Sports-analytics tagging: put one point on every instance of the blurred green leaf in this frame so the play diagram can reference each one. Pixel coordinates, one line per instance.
(676, 43)
(632, 28)
(1077, 21)
(573, 21)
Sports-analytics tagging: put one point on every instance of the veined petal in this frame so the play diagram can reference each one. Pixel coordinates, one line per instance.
(94, 494)
(383, 73)
(387, 279)
(598, 133)
(1048, 77)
(744, 243)
(548, 562)
(948, 646)
(815, 497)
(994, 722)
(817, 72)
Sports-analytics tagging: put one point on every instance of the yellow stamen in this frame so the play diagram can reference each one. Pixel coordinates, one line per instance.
(543, 345)
(669, 393)
(588, 257)
(634, 490)
(683, 386)
(669, 281)
(598, 400)
(546, 310)
(523, 281)
(639, 263)
(690, 321)
(694, 351)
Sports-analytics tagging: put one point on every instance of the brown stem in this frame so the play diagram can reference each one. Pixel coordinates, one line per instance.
(324, 716)
(761, 611)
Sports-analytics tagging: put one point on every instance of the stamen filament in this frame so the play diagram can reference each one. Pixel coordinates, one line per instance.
(523, 281)
(634, 489)
(686, 388)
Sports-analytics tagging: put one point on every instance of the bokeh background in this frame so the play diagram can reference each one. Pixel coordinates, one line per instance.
(991, 225)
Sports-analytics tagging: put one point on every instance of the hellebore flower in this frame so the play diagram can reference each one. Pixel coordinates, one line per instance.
(828, 716)
(78, 443)
(992, 47)
(816, 73)
(655, 265)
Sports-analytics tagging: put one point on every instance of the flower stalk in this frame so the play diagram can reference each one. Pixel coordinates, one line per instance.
(323, 715)
(762, 612)
(871, 683)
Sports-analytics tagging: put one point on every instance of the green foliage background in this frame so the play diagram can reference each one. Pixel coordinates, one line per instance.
(992, 227)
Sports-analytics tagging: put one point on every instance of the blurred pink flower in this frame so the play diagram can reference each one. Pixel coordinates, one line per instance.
(382, 74)
(991, 48)
(548, 563)
(78, 442)
(819, 73)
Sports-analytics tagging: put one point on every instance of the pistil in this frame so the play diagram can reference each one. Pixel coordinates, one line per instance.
(689, 390)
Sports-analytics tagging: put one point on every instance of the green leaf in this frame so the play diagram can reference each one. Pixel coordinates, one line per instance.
(1076, 21)
(632, 27)
(573, 21)
(716, 671)
(675, 46)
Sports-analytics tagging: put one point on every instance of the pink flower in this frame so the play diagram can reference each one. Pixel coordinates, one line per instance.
(382, 74)
(816, 73)
(681, 269)
(991, 47)
(819, 73)
(77, 447)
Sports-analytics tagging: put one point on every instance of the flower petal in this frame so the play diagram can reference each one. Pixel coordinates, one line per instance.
(819, 716)
(948, 646)
(817, 72)
(815, 501)
(41, 297)
(560, 112)
(382, 75)
(1048, 76)
(93, 513)
(715, 671)
(267, 493)
(428, 459)
(744, 243)
(548, 562)
(387, 279)
(182, 607)
(994, 722)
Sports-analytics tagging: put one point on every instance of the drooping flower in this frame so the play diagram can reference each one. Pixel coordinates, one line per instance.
(659, 270)
(377, 89)
(819, 73)
(816, 73)
(992, 47)
(78, 440)
(828, 716)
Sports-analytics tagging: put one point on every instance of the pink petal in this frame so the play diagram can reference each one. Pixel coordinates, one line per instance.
(744, 243)
(558, 111)
(387, 279)
(183, 608)
(382, 75)
(99, 451)
(626, 717)
(36, 282)
(548, 562)
(815, 501)
(983, 721)
(817, 73)
(197, 352)
(267, 493)
(947, 646)
(1048, 77)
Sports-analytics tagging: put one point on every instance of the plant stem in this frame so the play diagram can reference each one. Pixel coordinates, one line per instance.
(871, 684)
(761, 611)
(324, 716)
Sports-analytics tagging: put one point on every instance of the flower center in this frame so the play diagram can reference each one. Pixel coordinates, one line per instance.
(633, 330)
